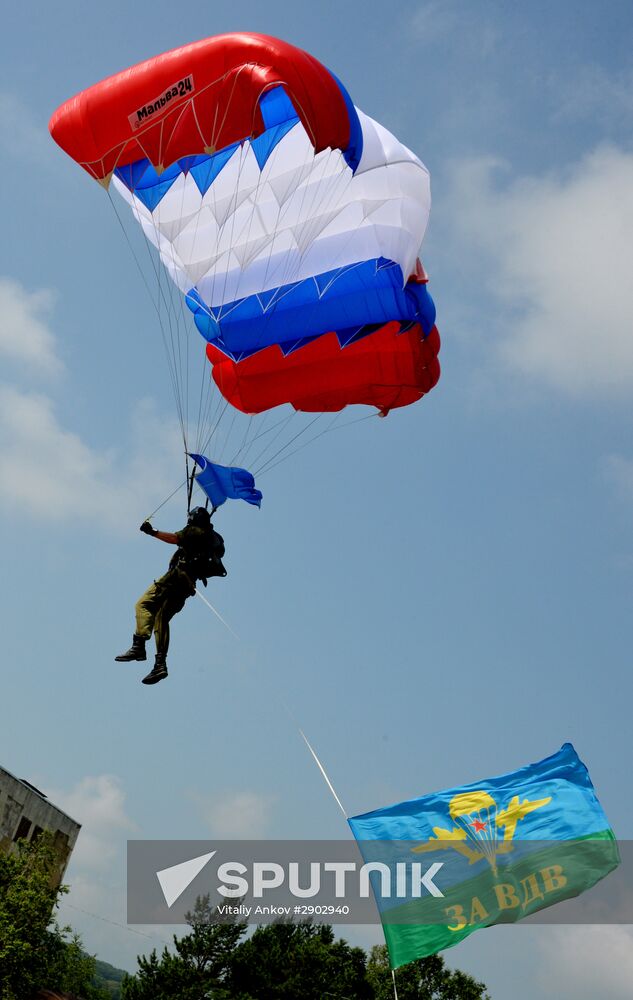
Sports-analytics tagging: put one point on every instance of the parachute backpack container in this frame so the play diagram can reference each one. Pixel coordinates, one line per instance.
(288, 221)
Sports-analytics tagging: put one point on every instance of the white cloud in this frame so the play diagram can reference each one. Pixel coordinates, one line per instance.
(96, 904)
(24, 333)
(98, 803)
(556, 254)
(594, 92)
(461, 25)
(587, 962)
(47, 469)
(433, 20)
(242, 815)
(51, 472)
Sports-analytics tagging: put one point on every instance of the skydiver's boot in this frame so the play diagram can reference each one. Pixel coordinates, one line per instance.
(159, 670)
(135, 652)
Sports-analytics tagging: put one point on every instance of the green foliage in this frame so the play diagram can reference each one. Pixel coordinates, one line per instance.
(35, 953)
(109, 979)
(284, 961)
(196, 970)
(69, 968)
(426, 979)
(26, 906)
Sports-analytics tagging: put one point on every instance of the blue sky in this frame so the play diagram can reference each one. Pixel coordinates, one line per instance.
(439, 596)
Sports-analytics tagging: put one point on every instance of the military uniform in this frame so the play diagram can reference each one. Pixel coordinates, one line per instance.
(167, 595)
(198, 556)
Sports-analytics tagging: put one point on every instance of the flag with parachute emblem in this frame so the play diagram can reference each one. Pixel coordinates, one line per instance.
(504, 848)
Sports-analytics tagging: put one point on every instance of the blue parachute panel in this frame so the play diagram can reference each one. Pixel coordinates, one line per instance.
(354, 149)
(277, 108)
(347, 298)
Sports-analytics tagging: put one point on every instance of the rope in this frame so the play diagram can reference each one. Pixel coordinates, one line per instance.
(288, 712)
(114, 923)
(173, 493)
(217, 614)
(323, 772)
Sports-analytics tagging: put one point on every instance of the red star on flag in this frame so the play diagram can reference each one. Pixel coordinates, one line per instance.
(478, 826)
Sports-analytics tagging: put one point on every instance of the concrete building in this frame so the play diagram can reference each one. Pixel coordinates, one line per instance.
(25, 812)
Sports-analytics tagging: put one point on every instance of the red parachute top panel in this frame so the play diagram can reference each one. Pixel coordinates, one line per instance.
(197, 99)
(388, 368)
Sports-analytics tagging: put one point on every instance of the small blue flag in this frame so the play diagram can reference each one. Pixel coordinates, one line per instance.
(222, 482)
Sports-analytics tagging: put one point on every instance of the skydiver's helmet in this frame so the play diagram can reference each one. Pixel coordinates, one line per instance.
(199, 517)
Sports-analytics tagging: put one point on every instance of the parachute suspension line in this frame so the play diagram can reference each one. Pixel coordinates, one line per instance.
(172, 494)
(227, 435)
(326, 430)
(213, 425)
(171, 369)
(287, 445)
(171, 299)
(285, 454)
(176, 331)
(214, 408)
(223, 403)
(186, 323)
(149, 292)
(262, 432)
(268, 430)
(282, 426)
(205, 399)
(167, 318)
(239, 451)
(259, 430)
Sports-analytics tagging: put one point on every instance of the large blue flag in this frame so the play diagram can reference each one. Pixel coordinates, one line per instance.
(222, 482)
(504, 847)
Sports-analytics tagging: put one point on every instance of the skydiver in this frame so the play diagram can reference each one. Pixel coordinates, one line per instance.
(198, 556)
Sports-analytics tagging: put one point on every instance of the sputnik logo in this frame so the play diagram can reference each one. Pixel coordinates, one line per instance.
(173, 881)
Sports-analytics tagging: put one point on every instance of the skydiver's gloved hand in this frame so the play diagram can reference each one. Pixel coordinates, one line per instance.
(147, 528)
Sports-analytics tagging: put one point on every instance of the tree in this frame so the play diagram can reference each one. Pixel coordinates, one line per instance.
(285, 960)
(425, 979)
(35, 953)
(198, 968)
(26, 905)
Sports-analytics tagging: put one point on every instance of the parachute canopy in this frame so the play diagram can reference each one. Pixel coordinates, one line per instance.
(289, 220)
